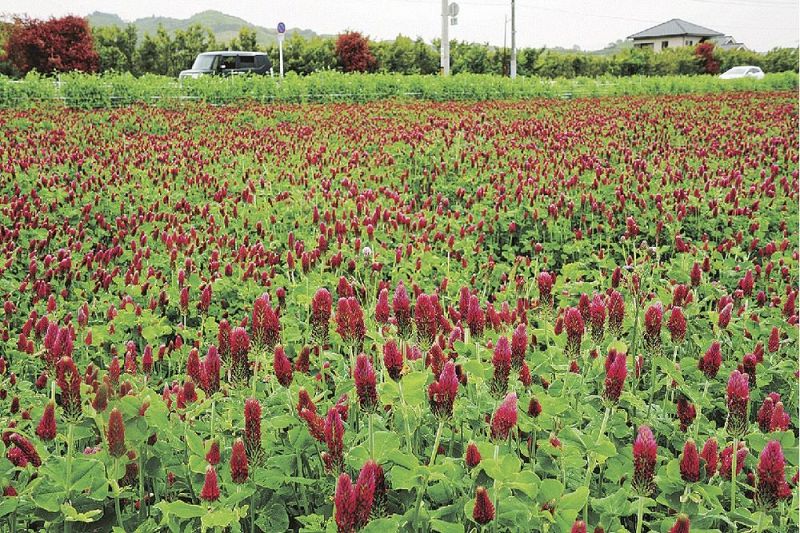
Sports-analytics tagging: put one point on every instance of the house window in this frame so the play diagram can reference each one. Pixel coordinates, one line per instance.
(664, 44)
(689, 43)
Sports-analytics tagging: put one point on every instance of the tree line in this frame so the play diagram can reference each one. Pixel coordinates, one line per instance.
(68, 43)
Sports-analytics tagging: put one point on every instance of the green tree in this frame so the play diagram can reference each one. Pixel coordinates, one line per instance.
(165, 52)
(632, 62)
(426, 56)
(469, 57)
(526, 60)
(116, 47)
(498, 61)
(247, 39)
(187, 44)
(676, 61)
(731, 58)
(294, 55)
(781, 60)
(553, 65)
(146, 58)
(401, 57)
(320, 54)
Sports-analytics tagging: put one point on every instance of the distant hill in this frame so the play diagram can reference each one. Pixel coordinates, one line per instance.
(612, 48)
(224, 27)
(609, 50)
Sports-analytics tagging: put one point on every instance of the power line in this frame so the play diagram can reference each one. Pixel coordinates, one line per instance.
(746, 3)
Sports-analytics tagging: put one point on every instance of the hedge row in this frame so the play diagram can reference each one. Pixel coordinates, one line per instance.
(110, 90)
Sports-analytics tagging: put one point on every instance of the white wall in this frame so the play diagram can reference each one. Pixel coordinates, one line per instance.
(672, 42)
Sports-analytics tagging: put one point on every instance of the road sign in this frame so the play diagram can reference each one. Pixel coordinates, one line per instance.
(281, 35)
(452, 9)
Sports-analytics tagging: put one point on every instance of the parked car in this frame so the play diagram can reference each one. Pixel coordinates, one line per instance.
(227, 63)
(742, 72)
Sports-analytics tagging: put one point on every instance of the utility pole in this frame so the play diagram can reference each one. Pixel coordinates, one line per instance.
(513, 41)
(445, 45)
(505, 32)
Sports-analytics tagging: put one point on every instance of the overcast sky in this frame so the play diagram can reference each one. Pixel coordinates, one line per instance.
(590, 24)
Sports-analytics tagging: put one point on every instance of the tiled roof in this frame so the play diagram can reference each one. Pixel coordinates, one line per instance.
(675, 27)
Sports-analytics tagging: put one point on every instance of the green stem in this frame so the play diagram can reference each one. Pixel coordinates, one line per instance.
(591, 461)
(186, 462)
(290, 400)
(142, 507)
(154, 486)
(253, 512)
(635, 328)
(733, 473)
(213, 411)
(116, 497)
(653, 376)
(301, 474)
(760, 519)
(370, 436)
(686, 492)
(782, 517)
(672, 392)
(640, 515)
(405, 416)
(421, 493)
(700, 410)
(256, 365)
(70, 428)
(494, 489)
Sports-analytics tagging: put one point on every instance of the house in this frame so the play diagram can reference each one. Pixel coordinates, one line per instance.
(727, 42)
(673, 34)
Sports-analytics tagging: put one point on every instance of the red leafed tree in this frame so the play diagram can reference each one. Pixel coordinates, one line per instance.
(353, 53)
(705, 53)
(58, 44)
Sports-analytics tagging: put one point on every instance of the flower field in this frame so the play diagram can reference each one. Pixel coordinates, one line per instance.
(541, 315)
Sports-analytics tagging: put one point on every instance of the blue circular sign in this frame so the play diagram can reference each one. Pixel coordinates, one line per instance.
(281, 27)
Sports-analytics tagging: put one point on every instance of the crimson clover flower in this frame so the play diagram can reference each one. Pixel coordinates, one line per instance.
(772, 486)
(442, 392)
(644, 461)
(239, 465)
(483, 513)
(505, 418)
(321, 305)
(364, 377)
(738, 395)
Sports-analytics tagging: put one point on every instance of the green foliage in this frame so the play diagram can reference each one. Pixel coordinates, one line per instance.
(245, 41)
(167, 51)
(116, 48)
(782, 60)
(87, 91)
(22, 93)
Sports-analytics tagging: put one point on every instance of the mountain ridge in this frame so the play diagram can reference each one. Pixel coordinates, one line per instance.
(224, 27)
